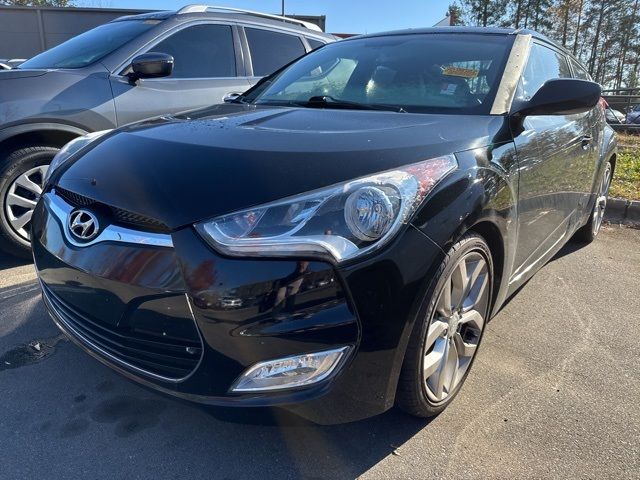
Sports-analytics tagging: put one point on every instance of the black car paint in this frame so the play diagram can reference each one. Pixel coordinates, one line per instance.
(384, 290)
(371, 304)
(251, 150)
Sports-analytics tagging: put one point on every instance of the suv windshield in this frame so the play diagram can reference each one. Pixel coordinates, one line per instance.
(441, 73)
(90, 46)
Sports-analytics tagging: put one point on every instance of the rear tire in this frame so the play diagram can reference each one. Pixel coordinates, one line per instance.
(589, 232)
(448, 329)
(21, 182)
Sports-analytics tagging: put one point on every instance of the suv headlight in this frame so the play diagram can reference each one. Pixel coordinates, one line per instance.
(70, 149)
(342, 221)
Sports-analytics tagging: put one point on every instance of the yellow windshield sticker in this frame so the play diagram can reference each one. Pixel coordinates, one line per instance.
(460, 72)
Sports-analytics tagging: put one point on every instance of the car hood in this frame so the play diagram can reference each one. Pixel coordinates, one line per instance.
(183, 169)
(17, 73)
(81, 98)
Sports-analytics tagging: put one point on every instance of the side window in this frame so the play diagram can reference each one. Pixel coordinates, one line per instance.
(271, 50)
(201, 51)
(579, 71)
(543, 64)
(313, 43)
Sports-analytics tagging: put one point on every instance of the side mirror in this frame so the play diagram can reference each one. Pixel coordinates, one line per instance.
(151, 65)
(231, 97)
(561, 96)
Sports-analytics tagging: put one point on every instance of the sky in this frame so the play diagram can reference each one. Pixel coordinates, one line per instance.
(343, 16)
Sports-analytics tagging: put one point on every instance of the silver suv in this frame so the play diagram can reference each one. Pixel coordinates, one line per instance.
(127, 70)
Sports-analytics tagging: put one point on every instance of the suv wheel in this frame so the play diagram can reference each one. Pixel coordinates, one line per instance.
(448, 329)
(21, 182)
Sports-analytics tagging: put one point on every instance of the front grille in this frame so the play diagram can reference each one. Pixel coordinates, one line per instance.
(140, 221)
(172, 360)
(73, 198)
(118, 215)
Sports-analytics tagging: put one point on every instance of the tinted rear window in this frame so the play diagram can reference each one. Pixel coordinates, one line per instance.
(91, 46)
(314, 43)
(271, 50)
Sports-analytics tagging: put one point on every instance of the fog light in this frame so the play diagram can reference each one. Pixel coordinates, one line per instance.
(289, 372)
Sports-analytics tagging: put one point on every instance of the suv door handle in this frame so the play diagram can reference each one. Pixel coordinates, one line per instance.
(586, 141)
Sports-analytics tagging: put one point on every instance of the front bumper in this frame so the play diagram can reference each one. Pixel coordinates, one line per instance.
(182, 319)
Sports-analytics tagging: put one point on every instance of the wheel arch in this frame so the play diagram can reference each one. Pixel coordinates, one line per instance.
(44, 134)
(482, 199)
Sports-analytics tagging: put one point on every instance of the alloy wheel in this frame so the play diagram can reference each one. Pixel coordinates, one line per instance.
(601, 201)
(456, 327)
(22, 196)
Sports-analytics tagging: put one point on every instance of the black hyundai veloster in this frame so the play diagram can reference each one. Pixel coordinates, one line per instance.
(335, 240)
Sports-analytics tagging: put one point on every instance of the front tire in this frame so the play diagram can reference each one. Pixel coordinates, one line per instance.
(21, 182)
(448, 329)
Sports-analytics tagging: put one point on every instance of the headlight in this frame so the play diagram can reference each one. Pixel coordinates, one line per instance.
(70, 149)
(342, 221)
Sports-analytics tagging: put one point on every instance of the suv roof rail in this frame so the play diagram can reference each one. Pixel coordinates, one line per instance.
(201, 8)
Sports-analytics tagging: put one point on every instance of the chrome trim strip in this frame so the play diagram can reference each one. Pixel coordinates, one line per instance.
(112, 233)
(94, 349)
(511, 75)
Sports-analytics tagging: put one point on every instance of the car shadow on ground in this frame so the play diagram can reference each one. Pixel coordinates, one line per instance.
(570, 247)
(9, 261)
(351, 447)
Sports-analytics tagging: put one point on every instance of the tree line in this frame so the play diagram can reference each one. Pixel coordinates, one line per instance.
(603, 34)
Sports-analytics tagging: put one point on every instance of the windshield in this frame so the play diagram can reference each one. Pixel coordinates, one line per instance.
(90, 46)
(448, 73)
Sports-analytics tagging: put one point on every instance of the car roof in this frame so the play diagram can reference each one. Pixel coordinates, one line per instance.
(236, 16)
(160, 15)
(466, 30)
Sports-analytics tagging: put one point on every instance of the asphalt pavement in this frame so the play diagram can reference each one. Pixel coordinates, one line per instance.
(553, 394)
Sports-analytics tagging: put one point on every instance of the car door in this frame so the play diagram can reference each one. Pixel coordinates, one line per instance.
(206, 69)
(548, 148)
(593, 125)
(268, 50)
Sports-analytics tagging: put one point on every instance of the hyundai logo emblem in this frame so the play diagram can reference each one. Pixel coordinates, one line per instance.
(83, 225)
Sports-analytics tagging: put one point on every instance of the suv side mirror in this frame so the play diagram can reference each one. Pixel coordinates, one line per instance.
(231, 97)
(561, 96)
(151, 65)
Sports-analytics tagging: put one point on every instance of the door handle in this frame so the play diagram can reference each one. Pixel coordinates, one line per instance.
(586, 141)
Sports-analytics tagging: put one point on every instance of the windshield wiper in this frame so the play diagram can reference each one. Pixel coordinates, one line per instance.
(331, 102)
(327, 101)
